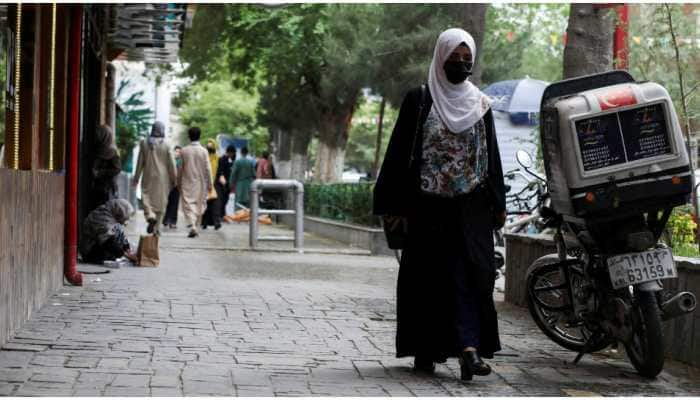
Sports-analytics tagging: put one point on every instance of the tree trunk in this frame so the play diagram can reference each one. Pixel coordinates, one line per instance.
(378, 145)
(333, 136)
(474, 22)
(589, 40)
(299, 155)
(282, 150)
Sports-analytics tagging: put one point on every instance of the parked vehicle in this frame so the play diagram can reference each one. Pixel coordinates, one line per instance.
(616, 166)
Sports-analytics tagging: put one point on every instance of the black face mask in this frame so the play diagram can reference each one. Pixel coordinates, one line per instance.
(457, 71)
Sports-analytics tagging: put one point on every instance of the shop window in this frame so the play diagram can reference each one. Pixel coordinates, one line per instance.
(34, 121)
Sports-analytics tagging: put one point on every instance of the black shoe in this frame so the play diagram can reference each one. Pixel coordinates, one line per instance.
(204, 226)
(423, 364)
(192, 234)
(151, 225)
(217, 226)
(471, 364)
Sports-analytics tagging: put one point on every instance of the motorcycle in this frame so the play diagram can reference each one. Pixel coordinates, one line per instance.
(572, 299)
(605, 283)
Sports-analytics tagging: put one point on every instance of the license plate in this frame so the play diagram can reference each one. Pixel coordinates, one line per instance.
(634, 268)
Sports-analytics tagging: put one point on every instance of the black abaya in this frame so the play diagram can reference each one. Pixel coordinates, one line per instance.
(447, 269)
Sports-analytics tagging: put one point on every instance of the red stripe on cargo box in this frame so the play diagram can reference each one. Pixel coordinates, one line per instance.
(616, 98)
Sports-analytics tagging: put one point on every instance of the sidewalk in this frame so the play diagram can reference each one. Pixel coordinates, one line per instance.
(220, 322)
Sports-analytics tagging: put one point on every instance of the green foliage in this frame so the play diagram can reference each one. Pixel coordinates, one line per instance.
(347, 202)
(681, 228)
(134, 120)
(363, 134)
(524, 40)
(652, 55)
(216, 107)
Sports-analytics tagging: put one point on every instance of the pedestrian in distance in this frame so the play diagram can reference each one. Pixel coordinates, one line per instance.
(242, 175)
(106, 166)
(264, 168)
(223, 173)
(102, 237)
(442, 179)
(212, 215)
(194, 181)
(157, 167)
(171, 211)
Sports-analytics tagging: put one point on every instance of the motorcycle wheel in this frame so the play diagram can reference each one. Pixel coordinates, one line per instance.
(547, 301)
(646, 349)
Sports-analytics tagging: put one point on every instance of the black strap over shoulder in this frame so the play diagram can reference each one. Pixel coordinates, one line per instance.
(419, 123)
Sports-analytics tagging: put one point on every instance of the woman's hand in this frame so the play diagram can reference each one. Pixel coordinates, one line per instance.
(392, 222)
(131, 256)
(501, 219)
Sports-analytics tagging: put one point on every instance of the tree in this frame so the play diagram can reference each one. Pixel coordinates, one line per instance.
(134, 120)
(589, 40)
(363, 133)
(524, 40)
(217, 108)
(653, 56)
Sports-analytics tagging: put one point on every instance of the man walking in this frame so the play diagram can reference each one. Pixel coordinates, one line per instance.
(194, 181)
(157, 166)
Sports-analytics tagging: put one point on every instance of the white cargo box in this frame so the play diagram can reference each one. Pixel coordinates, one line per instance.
(614, 149)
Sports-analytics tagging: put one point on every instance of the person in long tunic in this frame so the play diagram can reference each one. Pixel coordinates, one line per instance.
(157, 166)
(171, 210)
(442, 174)
(212, 215)
(194, 181)
(242, 175)
(102, 237)
(106, 166)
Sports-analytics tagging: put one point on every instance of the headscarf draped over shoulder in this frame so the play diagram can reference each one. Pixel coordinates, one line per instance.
(460, 106)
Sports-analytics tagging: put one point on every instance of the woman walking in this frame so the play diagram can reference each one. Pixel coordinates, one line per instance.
(157, 165)
(212, 215)
(442, 176)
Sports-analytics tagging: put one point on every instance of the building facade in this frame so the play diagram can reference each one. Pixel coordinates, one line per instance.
(59, 88)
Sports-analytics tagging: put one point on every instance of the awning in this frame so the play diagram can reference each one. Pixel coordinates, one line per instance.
(148, 32)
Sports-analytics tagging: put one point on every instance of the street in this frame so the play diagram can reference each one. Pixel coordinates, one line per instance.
(239, 323)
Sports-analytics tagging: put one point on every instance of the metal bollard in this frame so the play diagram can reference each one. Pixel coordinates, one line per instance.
(256, 188)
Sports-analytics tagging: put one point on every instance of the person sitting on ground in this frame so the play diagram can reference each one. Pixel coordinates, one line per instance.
(102, 237)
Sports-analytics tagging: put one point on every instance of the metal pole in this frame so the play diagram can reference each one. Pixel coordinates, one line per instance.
(299, 225)
(254, 215)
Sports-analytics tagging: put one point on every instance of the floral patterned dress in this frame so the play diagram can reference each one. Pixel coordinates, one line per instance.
(453, 163)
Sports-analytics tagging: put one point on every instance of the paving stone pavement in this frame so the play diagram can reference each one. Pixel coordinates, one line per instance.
(236, 323)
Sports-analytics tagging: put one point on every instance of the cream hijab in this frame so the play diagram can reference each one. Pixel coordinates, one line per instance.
(462, 105)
